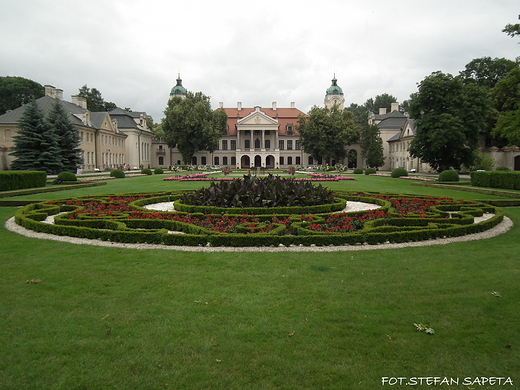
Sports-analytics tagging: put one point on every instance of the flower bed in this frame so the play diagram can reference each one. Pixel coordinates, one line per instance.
(325, 177)
(123, 218)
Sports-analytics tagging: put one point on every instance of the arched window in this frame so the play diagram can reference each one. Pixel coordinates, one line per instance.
(217, 160)
(161, 160)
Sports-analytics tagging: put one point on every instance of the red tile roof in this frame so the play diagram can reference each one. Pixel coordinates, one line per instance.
(286, 116)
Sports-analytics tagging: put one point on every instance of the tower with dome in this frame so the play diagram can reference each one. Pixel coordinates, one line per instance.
(334, 95)
(178, 90)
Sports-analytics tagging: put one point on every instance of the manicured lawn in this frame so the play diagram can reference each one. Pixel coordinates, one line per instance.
(183, 320)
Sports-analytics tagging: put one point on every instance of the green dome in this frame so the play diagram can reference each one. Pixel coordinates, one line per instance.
(178, 90)
(334, 89)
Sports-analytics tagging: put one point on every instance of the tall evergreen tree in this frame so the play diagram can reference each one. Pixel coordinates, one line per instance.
(36, 145)
(68, 137)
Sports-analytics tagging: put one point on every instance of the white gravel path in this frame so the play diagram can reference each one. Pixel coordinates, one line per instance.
(501, 228)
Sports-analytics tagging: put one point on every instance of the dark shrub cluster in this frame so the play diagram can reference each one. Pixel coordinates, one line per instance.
(370, 171)
(146, 171)
(358, 171)
(158, 171)
(252, 191)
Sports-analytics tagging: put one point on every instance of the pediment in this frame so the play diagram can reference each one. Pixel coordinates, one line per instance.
(257, 117)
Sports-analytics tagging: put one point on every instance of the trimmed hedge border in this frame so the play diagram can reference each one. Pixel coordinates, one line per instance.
(30, 191)
(478, 190)
(16, 180)
(496, 179)
(393, 227)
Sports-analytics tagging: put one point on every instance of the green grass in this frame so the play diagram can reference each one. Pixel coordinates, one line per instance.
(183, 320)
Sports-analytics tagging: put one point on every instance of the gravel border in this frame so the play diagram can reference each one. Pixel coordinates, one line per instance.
(501, 228)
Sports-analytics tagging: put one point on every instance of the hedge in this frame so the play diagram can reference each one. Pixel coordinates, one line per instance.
(15, 180)
(391, 229)
(496, 179)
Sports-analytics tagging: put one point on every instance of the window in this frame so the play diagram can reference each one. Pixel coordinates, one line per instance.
(233, 144)
(281, 160)
(217, 160)
(257, 143)
(247, 143)
(290, 130)
(267, 143)
(281, 144)
(289, 160)
(311, 160)
(203, 160)
(289, 144)
(8, 135)
(298, 145)
(224, 160)
(233, 161)
(224, 144)
(298, 160)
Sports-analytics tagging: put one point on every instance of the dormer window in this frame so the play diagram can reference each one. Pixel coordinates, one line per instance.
(290, 130)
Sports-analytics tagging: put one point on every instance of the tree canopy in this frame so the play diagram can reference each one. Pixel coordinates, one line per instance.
(325, 132)
(95, 101)
(372, 146)
(512, 29)
(449, 117)
(36, 144)
(191, 125)
(17, 91)
(487, 71)
(506, 98)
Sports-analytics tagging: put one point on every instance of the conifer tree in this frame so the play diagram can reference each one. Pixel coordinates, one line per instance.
(36, 145)
(68, 137)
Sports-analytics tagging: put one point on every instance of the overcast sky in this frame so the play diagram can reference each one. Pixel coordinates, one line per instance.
(255, 52)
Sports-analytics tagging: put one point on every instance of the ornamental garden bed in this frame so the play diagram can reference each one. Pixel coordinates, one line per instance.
(123, 218)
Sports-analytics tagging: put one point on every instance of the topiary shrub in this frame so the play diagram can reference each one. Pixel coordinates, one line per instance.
(358, 171)
(117, 173)
(67, 176)
(369, 171)
(398, 172)
(448, 175)
(146, 171)
(158, 171)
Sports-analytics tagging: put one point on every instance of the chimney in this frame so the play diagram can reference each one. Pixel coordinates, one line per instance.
(59, 94)
(274, 106)
(79, 101)
(239, 106)
(50, 90)
(221, 105)
(382, 111)
(394, 107)
(293, 105)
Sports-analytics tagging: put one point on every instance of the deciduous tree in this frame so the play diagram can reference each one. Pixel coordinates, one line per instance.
(17, 91)
(191, 125)
(325, 132)
(449, 117)
(506, 98)
(372, 146)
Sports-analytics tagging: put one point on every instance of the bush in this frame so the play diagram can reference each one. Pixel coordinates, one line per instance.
(146, 171)
(158, 171)
(494, 179)
(369, 171)
(117, 173)
(15, 180)
(67, 176)
(398, 172)
(272, 191)
(503, 169)
(448, 175)
(358, 171)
